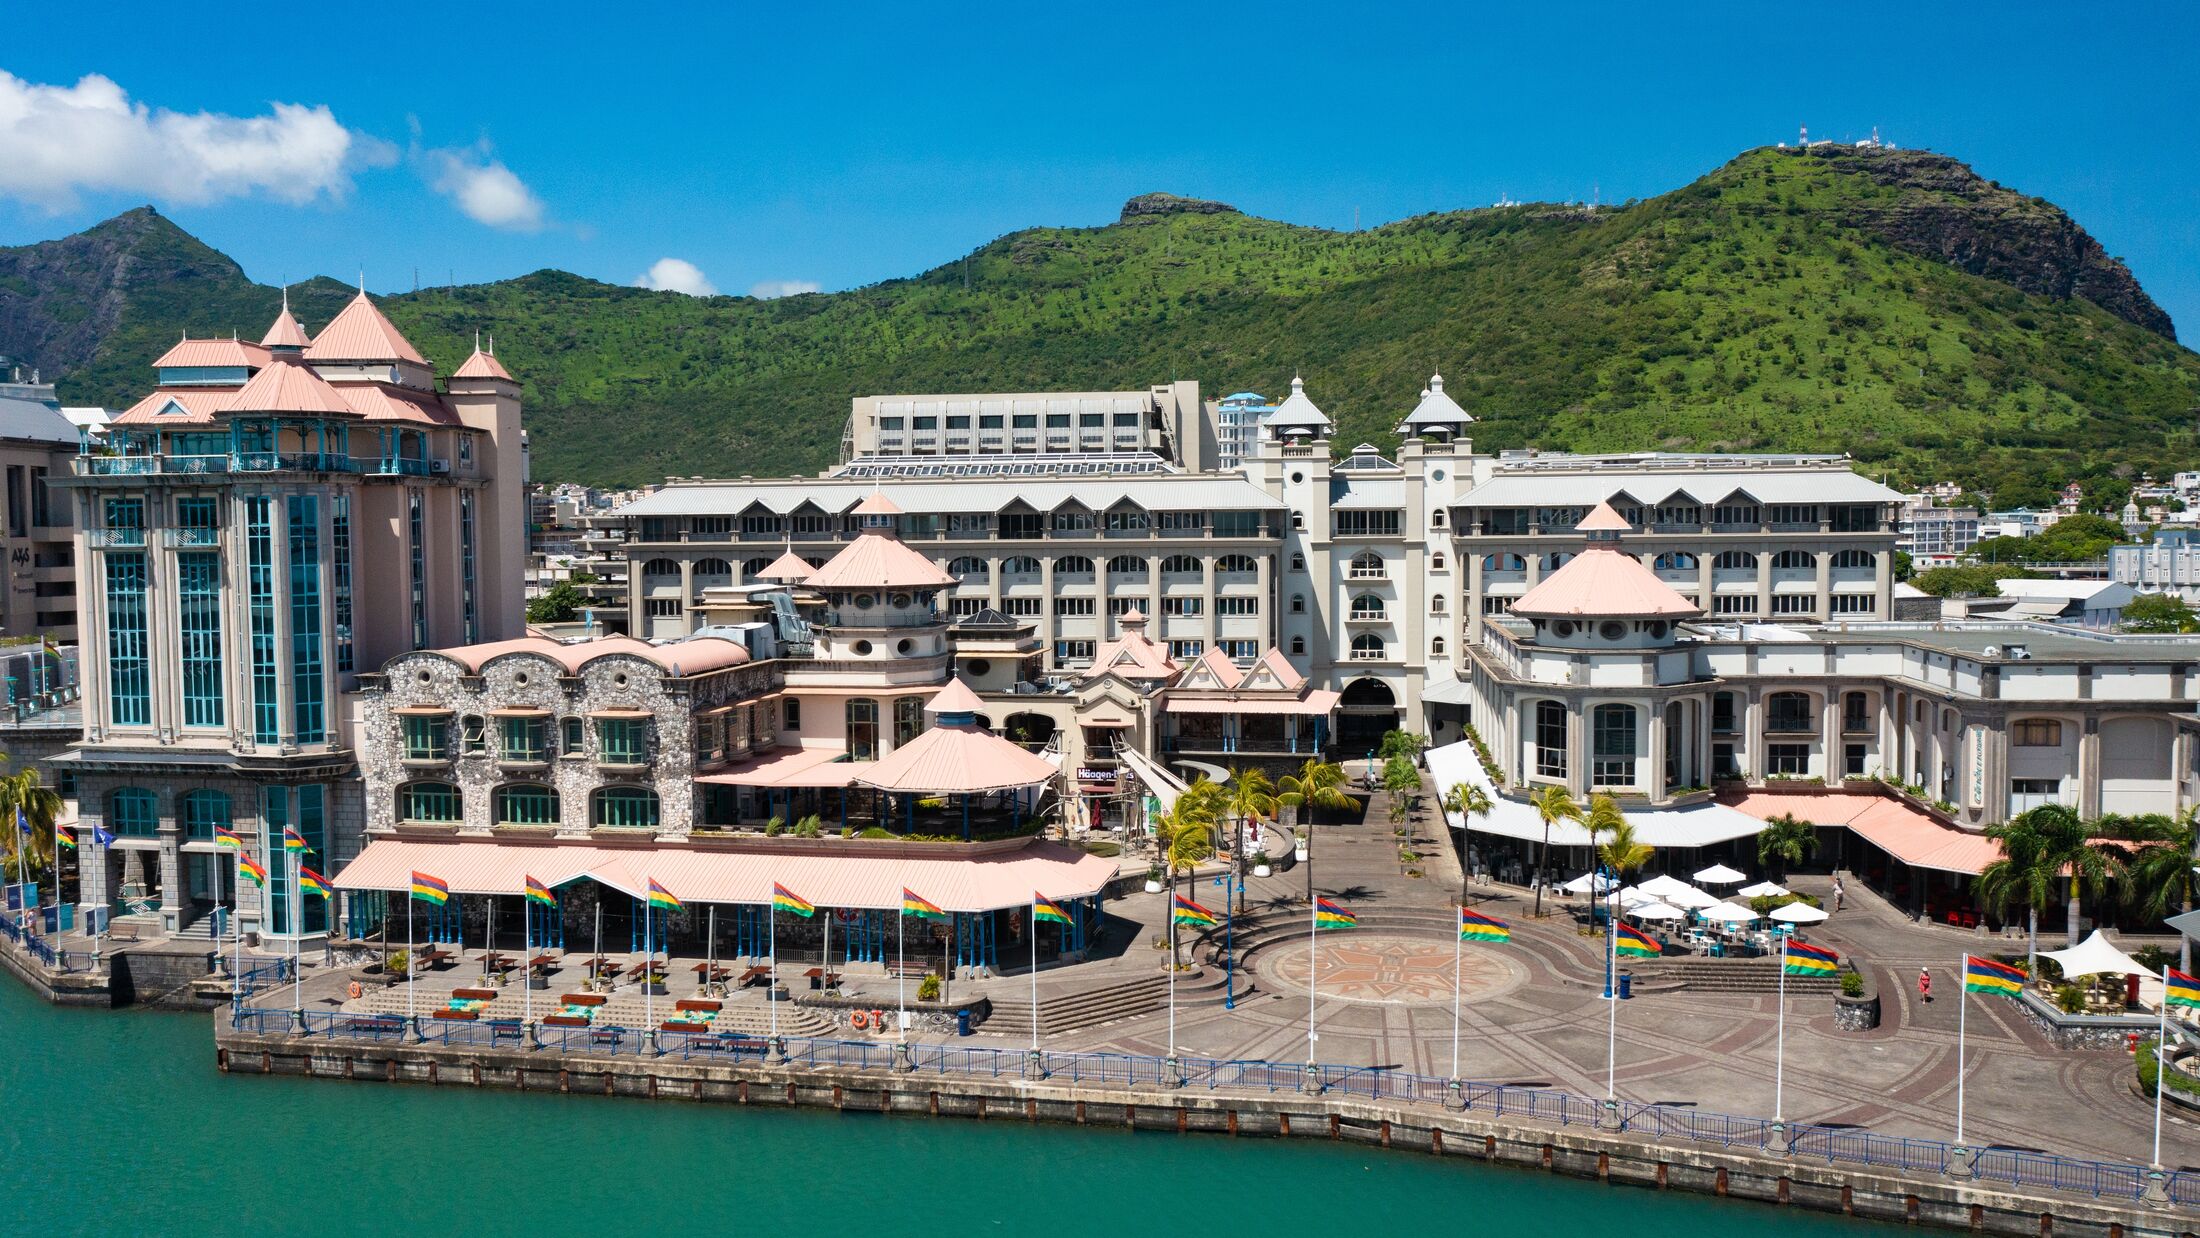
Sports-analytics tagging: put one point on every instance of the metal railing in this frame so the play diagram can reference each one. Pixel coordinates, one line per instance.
(1655, 1122)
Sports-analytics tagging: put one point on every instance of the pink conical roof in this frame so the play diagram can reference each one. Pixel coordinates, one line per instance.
(878, 505)
(1604, 518)
(955, 698)
(361, 333)
(789, 566)
(212, 354)
(1604, 582)
(957, 760)
(482, 365)
(284, 387)
(1220, 666)
(873, 561)
(285, 332)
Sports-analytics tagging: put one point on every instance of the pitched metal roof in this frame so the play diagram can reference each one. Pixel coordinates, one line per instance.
(1652, 486)
(1154, 493)
(362, 333)
(1436, 408)
(34, 420)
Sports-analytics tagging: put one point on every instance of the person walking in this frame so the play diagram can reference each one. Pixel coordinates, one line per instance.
(1837, 893)
(1925, 984)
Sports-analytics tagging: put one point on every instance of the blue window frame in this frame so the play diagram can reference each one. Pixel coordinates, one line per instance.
(201, 811)
(308, 712)
(437, 802)
(526, 803)
(301, 807)
(630, 807)
(466, 566)
(129, 686)
(199, 630)
(133, 812)
(623, 741)
(339, 548)
(259, 549)
(416, 528)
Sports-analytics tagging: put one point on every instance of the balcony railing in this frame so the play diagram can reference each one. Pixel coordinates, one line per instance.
(192, 537)
(100, 539)
(244, 462)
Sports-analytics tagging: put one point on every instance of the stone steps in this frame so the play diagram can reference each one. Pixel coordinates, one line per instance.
(1106, 1004)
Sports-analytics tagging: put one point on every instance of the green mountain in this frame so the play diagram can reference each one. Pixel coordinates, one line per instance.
(1891, 304)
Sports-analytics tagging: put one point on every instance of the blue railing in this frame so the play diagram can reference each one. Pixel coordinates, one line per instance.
(264, 974)
(1832, 1145)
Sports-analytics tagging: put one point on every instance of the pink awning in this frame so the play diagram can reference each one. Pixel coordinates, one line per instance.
(958, 760)
(791, 767)
(1320, 703)
(985, 882)
(1908, 834)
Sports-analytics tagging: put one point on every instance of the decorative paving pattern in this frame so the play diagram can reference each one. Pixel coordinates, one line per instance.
(1390, 970)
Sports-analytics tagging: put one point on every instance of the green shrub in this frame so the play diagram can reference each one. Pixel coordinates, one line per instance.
(928, 989)
(2070, 999)
(1852, 985)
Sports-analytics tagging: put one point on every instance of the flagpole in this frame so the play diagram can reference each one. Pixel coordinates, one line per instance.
(1457, 958)
(236, 929)
(710, 952)
(1963, 1011)
(2161, 1062)
(825, 977)
(1172, 973)
(526, 973)
(649, 959)
(1611, 996)
(297, 932)
(1779, 1056)
(1313, 971)
(1035, 978)
(771, 981)
(901, 982)
(412, 967)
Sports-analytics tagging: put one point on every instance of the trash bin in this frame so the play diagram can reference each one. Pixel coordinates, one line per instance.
(1626, 985)
(962, 1022)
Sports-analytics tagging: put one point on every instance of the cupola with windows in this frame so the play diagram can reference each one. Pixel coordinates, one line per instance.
(1604, 598)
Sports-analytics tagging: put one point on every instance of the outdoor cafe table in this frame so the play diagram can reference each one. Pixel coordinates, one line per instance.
(713, 971)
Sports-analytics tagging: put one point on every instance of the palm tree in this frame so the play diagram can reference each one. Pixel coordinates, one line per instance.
(1786, 841)
(41, 806)
(1469, 801)
(2159, 870)
(1553, 804)
(1603, 818)
(1250, 797)
(1318, 784)
(1187, 837)
(1400, 779)
(2040, 847)
(1623, 853)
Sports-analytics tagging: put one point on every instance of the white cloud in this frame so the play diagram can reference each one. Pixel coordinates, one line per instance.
(676, 275)
(773, 289)
(57, 142)
(487, 191)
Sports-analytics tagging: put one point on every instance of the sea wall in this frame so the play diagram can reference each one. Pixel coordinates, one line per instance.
(1582, 1151)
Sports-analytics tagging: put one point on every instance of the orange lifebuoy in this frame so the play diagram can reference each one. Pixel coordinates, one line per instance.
(859, 1020)
(354, 991)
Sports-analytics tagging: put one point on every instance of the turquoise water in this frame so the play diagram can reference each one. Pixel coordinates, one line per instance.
(148, 1138)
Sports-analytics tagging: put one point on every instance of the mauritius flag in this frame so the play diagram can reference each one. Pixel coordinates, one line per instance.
(254, 871)
(293, 841)
(1987, 976)
(913, 904)
(64, 838)
(1044, 910)
(1474, 927)
(540, 893)
(2180, 989)
(784, 899)
(1330, 915)
(1191, 915)
(228, 839)
(428, 889)
(660, 899)
(1808, 960)
(1634, 943)
(314, 883)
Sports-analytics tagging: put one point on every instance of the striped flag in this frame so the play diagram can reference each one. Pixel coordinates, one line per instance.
(661, 899)
(430, 889)
(2180, 989)
(1475, 927)
(1987, 976)
(1634, 943)
(913, 904)
(1189, 914)
(250, 869)
(314, 883)
(294, 842)
(64, 837)
(1807, 960)
(1328, 915)
(1045, 910)
(784, 899)
(540, 894)
(228, 839)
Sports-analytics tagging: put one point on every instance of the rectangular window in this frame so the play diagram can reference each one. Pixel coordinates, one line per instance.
(1241, 650)
(41, 499)
(470, 613)
(1180, 522)
(1072, 607)
(1237, 606)
(1235, 524)
(303, 809)
(1072, 520)
(713, 527)
(1495, 603)
(1852, 760)
(1129, 521)
(473, 735)
(1788, 713)
(1613, 736)
(1856, 712)
(661, 608)
(792, 714)
(259, 553)
(1550, 740)
(196, 513)
(1180, 607)
(199, 632)
(575, 740)
(1187, 648)
(339, 543)
(1852, 604)
(1793, 513)
(1505, 520)
(1072, 651)
(1734, 603)
(1855, 518)
(1124, 606)
(1016, 525)
(1357, 523)
(424, 736)
(524, 740)
(1022, 608)
(416, 529)
(623, 741)
(1722, 713)
(129, 685)
(762, 526)
(2036, 733)
(433, 802)
(307, 695)
(1734, 514)
(970, 524)
(1794, 603)
(1787, 760)
(963, 608)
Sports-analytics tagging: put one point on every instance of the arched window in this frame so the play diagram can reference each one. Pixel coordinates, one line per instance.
(1367, 565)
(1612, 763)
(625, 808)
(1853, 559)
(1504, 563)
(1020, 565)
(1436, 562)
(862, 719)
(713, 572)
(1556, 560)
(1298, 646)
(524, 803)
(1127, 567)
(1436, 518)
(1367, 606)
(968, 568)
(1298, 563)
(1073, 565)
(1677, 561)
(1794, 561)
(752, 568)
(1436, 647)
(1367, 647)
(1235, 563)
(1298, 603)
(1735, 561)
(1436, 604)
(432, 802)
(660, 567)
(1181, 565)
(202, 811)
(132, 812)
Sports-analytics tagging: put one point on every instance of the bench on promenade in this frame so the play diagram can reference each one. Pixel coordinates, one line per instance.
(583, 999)
(698, 1003)
(564, 1020)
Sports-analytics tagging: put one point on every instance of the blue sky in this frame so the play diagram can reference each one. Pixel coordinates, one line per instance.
(791, 145)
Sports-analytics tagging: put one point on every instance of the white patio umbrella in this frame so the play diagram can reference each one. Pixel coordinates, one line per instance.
(2094, 956)
(1720, 875)
(1588, 881)
(1692, 898)
(1655, 911)
(1727, 913)
(1798, 913)
(1666, 887)
(1763, 889)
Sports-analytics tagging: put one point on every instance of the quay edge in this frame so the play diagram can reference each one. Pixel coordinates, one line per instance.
(1580, 1152)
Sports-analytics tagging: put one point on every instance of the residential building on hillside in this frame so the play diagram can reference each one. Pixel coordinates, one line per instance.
(2168, 564)
(1237, 427)
(270, 521)
(1926, 532)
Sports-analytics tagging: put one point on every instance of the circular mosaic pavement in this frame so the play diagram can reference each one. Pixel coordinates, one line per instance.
(1373, 967)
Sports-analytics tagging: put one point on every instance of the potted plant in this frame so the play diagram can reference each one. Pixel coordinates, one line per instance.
(1153, 879)
(1261, 867)
(1298, 846)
